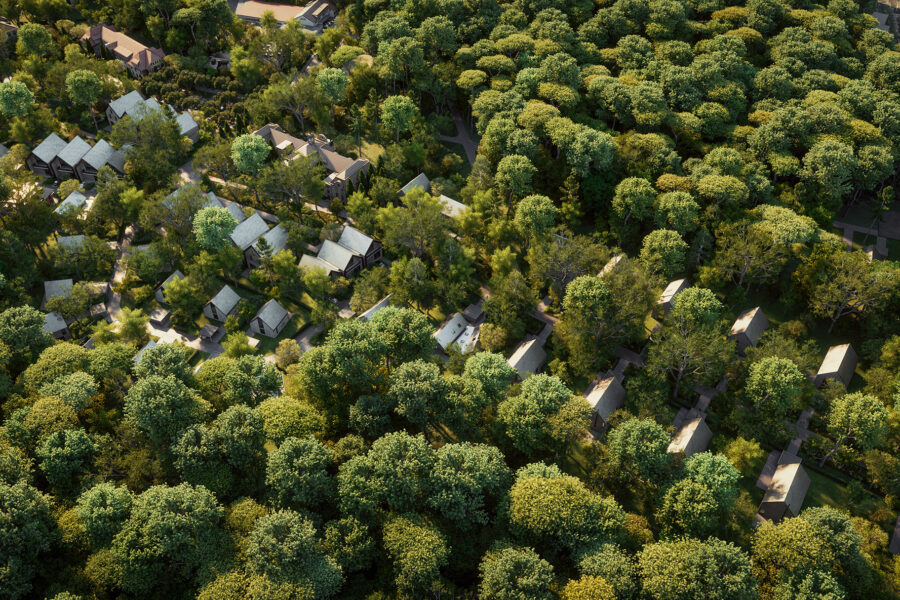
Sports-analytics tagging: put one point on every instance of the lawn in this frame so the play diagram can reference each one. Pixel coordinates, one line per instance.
(267, 345)
(372, 150)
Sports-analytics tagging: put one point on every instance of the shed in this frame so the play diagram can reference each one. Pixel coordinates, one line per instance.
(420, 180)
(839, 363)
(55, 325)
(667, 298)
(785, 495)
(247, 232)
(73, 203)
(450, 330)
(528, 358)
(270, 319)
(748, 328)
(208, 331)
(692, 437)
(605, 398)
(160, 317)
(222, 304)
(57, 287)
(362, 244)
(160, 291)
(383, 303)
(140, 354)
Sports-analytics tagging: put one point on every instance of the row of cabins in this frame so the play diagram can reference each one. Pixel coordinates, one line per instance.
(314, 16)
(353, 252)
(135, 105)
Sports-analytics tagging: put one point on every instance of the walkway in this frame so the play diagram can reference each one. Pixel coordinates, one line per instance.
(114, 299)
(880, 235)
(463, 137)
(304, 340)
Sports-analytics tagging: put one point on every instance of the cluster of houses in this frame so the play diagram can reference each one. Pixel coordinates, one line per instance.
(314, 16)
(353, 252)
(450, 208)
(134, 105)
(342, 171)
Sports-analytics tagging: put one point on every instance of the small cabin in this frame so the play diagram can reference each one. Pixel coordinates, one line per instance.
(222, 304)
(784, 497)
(667, 298)
(605, 398)
(748, 328)
(839, 363)
(270, 319)
(692, 437)
(528, 358)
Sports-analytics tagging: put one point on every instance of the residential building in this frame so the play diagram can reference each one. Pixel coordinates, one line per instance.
(101, 155)
(55, 325)
(605, 398)
(160, 317)
(270, 319)
(450, 330)
(784, 497)
(70, 243)
(122, 105)
(161, 290)
(383, 303)
(346, 262)
(419, 181)
(361, 244)
(41, 159)
(64, 162)
(252, 11)
(72, 204)
(839, 363)
(748, 328)
(57, 287)
(276, 237)
(222, 304)
(667, 298)
(317, 15)
(188, 126)
(137, 58)
(451, 208)
(247, 232)
(528, 358)
(308, 261)
(692, 437)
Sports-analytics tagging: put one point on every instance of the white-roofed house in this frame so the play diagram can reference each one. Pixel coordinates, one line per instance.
(605, 398)
(528, 358)
(692, 437)
(222, 304)
(101, 155)
(421, 181)
(72, 205)
(161, 290)
(70, 243)
(360, 243)
(188, 126)
(451, 208)
(137, 357)
(748, 328)
(68, 158)
(247, 232)
(57, 287)
(383, 303)
(55, 325)
(839, 363)
(276, 237)
(450, 330)
(346, 262)
(121, 106)
(784, 497)
(270, 319)
(667, 298)
(41, 158)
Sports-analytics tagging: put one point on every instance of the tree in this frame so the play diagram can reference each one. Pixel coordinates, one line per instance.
(64, 456)
(689, 569)
(512, 573)
(773, 385)
(15, 99)
(858, 419)
(397, 113)
(418, 551)
(678, 211)
(249, 153)
(535, 216)
(588, 587)
(284, 417)
(514, 173)
(638, 448)
(613, 565)
(103, 510)
(287, 353)
(164, 360)
(75, 389)
(297, 473)
(298, 181)
(634, 197)
(212, 227)
(26, 531)
(133, 326)
(155, 147)
(162, 407)
(34, 40)
(418, 224)
(333, 85)
(22, 331)
(664, 251)
(85, 88)
(420, 393)
(467, 481)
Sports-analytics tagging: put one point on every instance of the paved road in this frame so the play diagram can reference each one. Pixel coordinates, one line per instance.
(463, 137)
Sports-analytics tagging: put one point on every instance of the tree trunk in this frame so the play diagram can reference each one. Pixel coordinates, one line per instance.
(831, 452)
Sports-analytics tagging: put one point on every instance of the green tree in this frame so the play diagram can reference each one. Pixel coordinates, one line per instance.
(297, 473)
(65, 456)
(103, 509)
(664, 252)
(332, 83)
(418, 224)
(858, 419)
(27, 529)
(84, 87)
(633, 197)
(162, 407)
(164, 360)
(514, 174)
(637, 448)
(417, 549)
(535, 216)
(15, 99)
(467, 481)
(249, 153)
(511, 573)
(420, 393)
(773, 385)
(22, 332)
(212, 227)
(397, 113)
(34, 40)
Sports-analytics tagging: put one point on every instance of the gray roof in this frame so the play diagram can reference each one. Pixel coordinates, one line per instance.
(73, 202)
(420, 180)
(73, 151)
(49, 148)
(673, 289)
(140, 354)
(57, 287)
(312, 262)
(125, 103)
(356, 240)
(383, 303)
(450, 330)
(337, 255)
(225, 300)
(104, 154)
(527, 358)
(214, 201)
(277, 238)
(186, 122)
(246, 233)
(170, 278)
(53, 322)
(272, 313)
(144, 108)
(450, 207)
(70, 242)
(3, 150)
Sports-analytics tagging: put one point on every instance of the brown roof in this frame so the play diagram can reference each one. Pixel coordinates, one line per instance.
(130, 51)
(252, 9)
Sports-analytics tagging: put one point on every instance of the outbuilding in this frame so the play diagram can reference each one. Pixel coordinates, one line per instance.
(667, 298)
(692, 437)
(55, 325)
(56, 288)
(748, 328)
(605, 398)
(839, 363)
(784, 497)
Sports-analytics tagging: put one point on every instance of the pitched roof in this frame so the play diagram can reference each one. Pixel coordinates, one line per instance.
(104, 154)
(612, 263)
(337, 255)
(272, 313)
(355, 240)
(127, 49)
(70, 242)
(606, 397)
(276, 237)
(3, 150)
(835, 357)
(53, 322)
(123, 104)
(383, 303)
(73, 151)
(673, 289)
(252, 9)
(57, 287)
(789, 485)
(308, 261)
(225, 300)
(186, 122)
(752, 323)
(73, 202)
(49, 148)
(144, 108)
(450, 330)
(450, 207)
(140, 354)
(175, 274)
(527, 357)
(691, 438)
(420, 180)
(249, 231)
(213, 201)
(316, 11)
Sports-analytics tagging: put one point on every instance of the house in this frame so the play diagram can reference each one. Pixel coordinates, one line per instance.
(383, 303)
(314, 262)
(137, 58)
(784, 497)
(612, 264)
(451, 208)
(667, 298)
(123, 105)
(450, 330)
(222, 304)
(56, 288)
(270, 319)
(748, 328)
(247, 232)
(70, 243)
(343, 172)
(55, 325)
(41, 158)
(161, 290)
(839, 363)
(232, 207)
(528, 358)
(605, 398)
(276, 237)
(692, 437)
(419, 181)
(188, 126)
(101, 155)
(64, 162)
(318, 14)
(160, 317)
(360, 243)
(140, 354)
(73, 204)
(346, 262)
(252, 11)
